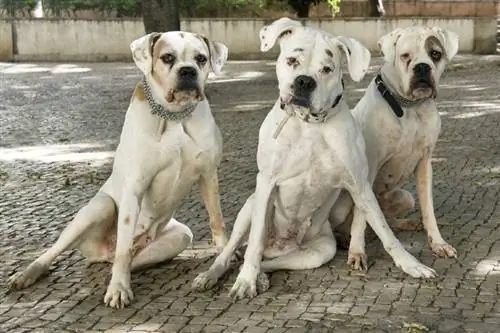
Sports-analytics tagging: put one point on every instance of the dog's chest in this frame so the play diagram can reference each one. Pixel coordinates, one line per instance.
(191, 157)
(418, 136)
(304, 173)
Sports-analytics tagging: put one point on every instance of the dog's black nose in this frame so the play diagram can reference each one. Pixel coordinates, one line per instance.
(421, 69)
(187, 72)
(304, 84)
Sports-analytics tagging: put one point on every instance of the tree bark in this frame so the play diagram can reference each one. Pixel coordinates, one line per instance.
(38, 9)
(161, 15)
(301, 7)
(377, 8)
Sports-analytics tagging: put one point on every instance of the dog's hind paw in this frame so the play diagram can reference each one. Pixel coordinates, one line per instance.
(262, 282)
(204, 281)
(118, 295)
(443, 250)
(27, 277)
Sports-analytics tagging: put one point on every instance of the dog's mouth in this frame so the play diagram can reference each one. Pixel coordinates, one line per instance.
(182, 96)
(295, 100)
(422, 88)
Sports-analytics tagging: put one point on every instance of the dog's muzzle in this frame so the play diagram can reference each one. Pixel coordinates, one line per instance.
(187, 87)
(422, 76)
(302, 87)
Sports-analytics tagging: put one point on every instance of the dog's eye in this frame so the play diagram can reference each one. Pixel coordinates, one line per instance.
(167, 58)
(405, 56)
(436, 55)
(326, 70)
(201, 59)
(291, 61)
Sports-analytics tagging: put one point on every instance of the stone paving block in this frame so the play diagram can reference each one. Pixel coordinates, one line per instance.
(77, 117)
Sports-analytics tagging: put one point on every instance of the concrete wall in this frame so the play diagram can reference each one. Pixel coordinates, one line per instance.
(444, 8)
(91, 40)
(6, 41)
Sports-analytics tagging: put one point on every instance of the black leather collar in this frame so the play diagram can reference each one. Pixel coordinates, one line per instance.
(339, 96)
(387, 95)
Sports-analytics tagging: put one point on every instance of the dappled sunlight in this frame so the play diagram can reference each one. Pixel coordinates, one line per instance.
(17, 68)
(198, 250)
(244, 106)
(490, 176)
(82, 152)
(459, 86)
(488, 266)
(480, 109)
(65, 68)
(438, 159)
(23, 68)
(234, 77)
(20, 87)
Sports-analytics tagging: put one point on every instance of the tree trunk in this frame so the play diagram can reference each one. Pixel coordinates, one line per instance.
(301, 7)
(38, 9)
(377, 8)
(161, 15)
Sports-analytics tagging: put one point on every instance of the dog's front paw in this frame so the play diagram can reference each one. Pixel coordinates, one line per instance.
(204, 281)
(246, 283)
(119, 294)
(243, 287)
(443, 250)
(26, 277)
(411, 266)
(358, 261)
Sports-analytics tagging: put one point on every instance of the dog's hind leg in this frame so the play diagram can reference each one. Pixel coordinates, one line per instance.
(171, 241)
(312, 254)
(208, 279)
(100, 210)
(395, 203)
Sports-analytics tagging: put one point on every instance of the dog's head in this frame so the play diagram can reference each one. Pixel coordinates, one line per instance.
(415, 58)
(309, 64)
(177, 64)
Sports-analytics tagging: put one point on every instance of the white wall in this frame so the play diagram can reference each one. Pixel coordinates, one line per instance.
(89, 40)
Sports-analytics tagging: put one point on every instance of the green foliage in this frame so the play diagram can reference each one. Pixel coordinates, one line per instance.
(335, 5)
(132, 8)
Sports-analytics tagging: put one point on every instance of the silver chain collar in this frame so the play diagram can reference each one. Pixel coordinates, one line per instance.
(158, 109)
(408, 103)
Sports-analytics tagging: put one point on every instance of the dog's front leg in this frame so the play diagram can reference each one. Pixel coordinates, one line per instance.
(246, 283)
(366, 203)
(424, 190)
(119, 292)
(357, 257)
(209, 184)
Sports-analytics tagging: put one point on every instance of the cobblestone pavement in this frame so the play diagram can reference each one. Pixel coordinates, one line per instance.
(60, 124)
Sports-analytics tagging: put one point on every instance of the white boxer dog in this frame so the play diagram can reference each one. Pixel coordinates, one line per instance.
(169, 142)
(309, 149)
(401, 124)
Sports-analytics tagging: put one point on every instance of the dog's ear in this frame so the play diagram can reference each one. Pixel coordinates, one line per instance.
(142, 51)
(449, 40)
(357, 56)
(218, 54)
(387, 44)
(275, 31)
